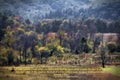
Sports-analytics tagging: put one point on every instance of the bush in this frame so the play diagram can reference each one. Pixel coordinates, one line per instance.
(3, 61)
(66, 50)
(118, 48)
(52, 59)
(112, 47)
(35, 61)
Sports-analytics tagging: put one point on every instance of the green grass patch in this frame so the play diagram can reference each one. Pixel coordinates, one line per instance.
(112, 70)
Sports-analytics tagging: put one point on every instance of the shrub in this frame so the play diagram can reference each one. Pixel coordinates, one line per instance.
(111, 47)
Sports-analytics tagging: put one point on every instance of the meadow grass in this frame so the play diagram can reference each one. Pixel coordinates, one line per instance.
(112, 70)
(32, 72)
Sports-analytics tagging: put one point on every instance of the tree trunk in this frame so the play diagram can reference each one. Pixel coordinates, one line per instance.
(20, 56)
(103, 64)
(25, 57)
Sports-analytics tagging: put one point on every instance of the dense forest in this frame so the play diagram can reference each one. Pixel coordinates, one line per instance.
(25, 42)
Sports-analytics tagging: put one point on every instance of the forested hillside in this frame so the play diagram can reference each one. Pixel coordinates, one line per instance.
(64, 9)
(59, 39)
(22, 41)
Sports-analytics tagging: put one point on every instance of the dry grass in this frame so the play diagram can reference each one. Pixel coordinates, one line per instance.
(57, 73)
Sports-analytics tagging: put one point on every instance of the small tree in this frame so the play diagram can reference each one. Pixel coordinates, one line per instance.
(43, 53)
(103, 56)
(84, 45)
(96, 43)
(112, 47)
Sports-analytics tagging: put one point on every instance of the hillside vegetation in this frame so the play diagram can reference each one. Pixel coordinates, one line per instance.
(53, 40)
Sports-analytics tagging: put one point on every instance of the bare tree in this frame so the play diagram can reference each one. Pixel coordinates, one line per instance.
(103, 53)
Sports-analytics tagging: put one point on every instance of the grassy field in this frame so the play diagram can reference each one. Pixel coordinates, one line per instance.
(58, 73)
(112, 70)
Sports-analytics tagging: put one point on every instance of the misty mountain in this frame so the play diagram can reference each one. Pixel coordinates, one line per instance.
(41, 9)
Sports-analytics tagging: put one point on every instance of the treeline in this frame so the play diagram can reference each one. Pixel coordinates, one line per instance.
(22, 41)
